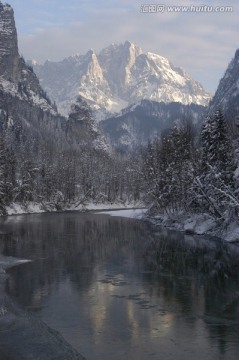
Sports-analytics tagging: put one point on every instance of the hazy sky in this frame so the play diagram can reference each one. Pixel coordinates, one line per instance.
(202, 43)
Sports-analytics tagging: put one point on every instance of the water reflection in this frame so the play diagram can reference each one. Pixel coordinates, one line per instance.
(117, 288)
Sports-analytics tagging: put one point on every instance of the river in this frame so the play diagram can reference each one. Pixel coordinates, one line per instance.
(118, 288)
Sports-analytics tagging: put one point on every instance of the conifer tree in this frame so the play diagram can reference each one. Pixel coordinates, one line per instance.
(206, 141)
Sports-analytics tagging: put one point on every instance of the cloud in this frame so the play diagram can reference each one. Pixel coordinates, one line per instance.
(201, 43)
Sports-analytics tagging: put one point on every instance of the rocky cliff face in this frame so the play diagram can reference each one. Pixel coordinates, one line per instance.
(9, 59)
(26, 113)
(17, 79)
(119, 76)
(226, 97)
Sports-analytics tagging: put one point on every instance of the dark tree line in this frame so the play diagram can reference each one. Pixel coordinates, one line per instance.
(60, 176)
(186, 173)
(180, 171)
(55, 162)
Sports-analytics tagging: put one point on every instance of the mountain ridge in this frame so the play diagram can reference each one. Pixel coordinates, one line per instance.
(226, 97)
(118, 76)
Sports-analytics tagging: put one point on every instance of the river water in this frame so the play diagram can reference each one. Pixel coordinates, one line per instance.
(118, 288)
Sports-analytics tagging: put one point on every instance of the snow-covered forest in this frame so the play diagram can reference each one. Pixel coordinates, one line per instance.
(189, 166)
(57, 176)
(181, 171)
(191, 173)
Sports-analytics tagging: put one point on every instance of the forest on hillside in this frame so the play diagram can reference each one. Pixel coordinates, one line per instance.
(179, 171)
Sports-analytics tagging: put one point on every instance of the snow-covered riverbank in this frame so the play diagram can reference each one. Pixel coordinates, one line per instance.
(36, 208)
(198, 224)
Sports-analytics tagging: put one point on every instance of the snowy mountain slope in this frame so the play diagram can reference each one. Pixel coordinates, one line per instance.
(140, 123)
(25, 109)
(16, 78)
(227, 94)
(120, 75)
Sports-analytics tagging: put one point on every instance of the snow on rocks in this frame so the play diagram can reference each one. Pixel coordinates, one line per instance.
(196, 224)
(37, 208)
(199, 224)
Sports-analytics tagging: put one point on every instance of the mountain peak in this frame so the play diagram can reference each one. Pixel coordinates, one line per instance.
(128, 44)
(16, 77)
(5, 7)
(121, 75)
(90, 52)
(236, 57)
(90, 55)
(9, 57)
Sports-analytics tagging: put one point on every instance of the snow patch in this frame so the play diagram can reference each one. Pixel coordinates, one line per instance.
(198, 224)
(18, 209)
(8, 261)
(119, 76)
(36, 208)
(131, 213)
(231, 234)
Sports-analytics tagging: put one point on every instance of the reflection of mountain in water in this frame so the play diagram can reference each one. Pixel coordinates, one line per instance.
(63, 246)
(108, 283)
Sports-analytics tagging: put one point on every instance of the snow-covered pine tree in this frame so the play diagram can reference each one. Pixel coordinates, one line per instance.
(206, 142)
(152, 172)
(2, 166)
(26, 189)
(214, 188)
(220, 151)
(7, 175)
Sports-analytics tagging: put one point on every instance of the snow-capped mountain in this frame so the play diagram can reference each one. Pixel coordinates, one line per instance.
(139, 123)
(16, 78)
(226, 97)
(119, 76)
(25, 109)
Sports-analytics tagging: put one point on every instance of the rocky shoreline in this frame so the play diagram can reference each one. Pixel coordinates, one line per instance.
(196, 224)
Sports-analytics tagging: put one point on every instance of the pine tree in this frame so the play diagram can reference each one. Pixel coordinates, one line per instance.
(25, 190)
(221, 157)
(2, 175)
(216, 184)
(7, 175)
(206, 142)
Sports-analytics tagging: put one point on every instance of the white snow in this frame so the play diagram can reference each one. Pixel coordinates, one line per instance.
(130, 213)
(35, 208)
(117, 77)
(231, 234)
(9, 261)
(198, 224)
(12, 88)
(17, 209)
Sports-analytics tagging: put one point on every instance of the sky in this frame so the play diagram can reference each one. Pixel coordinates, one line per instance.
(202, 42)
